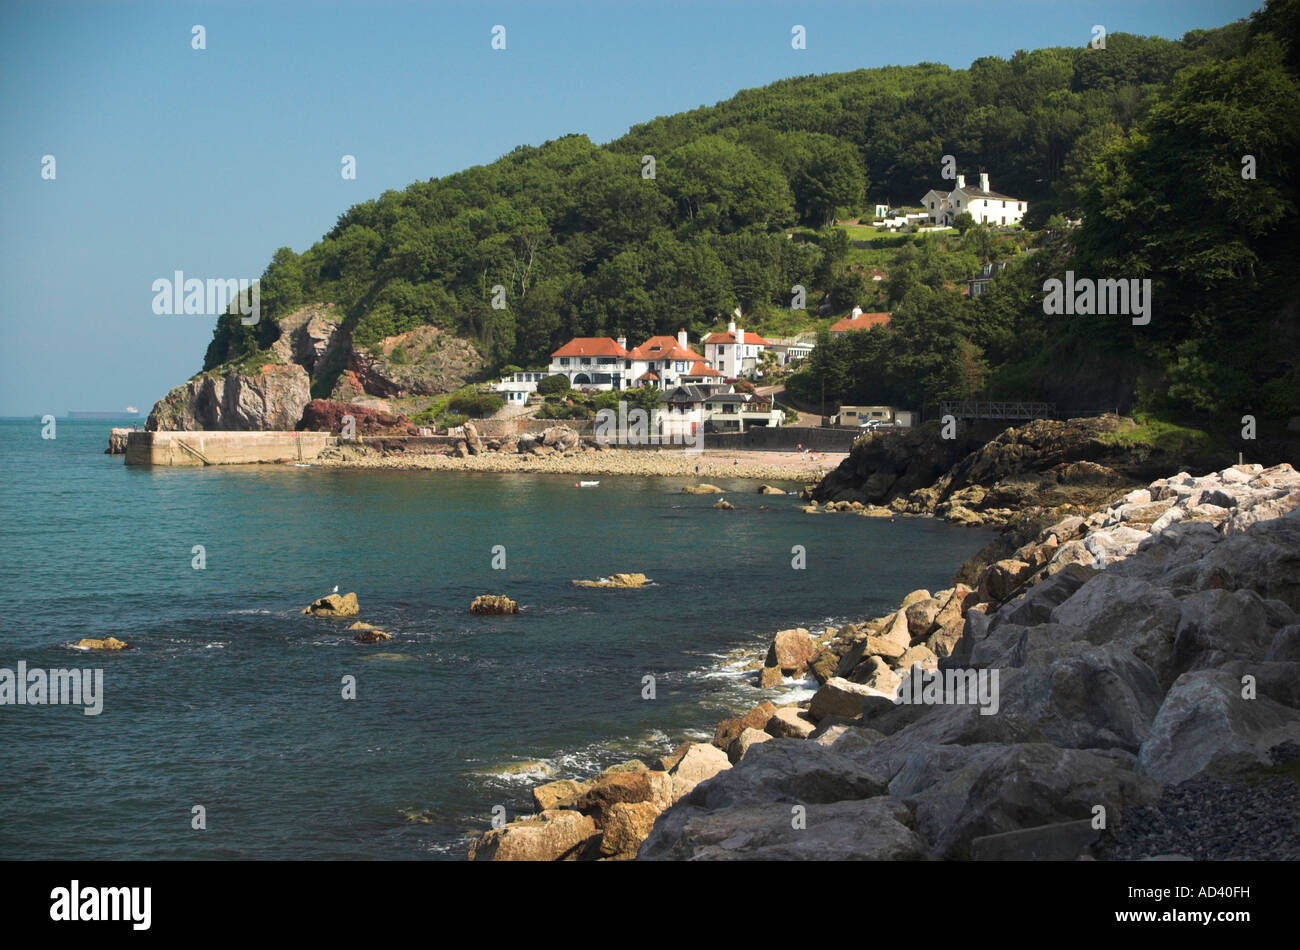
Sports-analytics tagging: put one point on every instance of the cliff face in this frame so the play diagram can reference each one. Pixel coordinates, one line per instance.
(272, 397)
(315, 354)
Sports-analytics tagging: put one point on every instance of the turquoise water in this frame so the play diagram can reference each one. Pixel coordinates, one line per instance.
(232, 699)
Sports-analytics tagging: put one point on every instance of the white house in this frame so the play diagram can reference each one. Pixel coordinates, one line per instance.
(791, 350)
(735, 412)
(515, 389)
(984, 205)
(593, 362)
(734, 353)
(666, 363)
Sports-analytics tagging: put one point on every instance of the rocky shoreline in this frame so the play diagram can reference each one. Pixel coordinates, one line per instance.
(1140, 651)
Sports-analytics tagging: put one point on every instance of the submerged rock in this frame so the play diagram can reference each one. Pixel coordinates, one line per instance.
(108, 643)
(369, 634)
(616, 580)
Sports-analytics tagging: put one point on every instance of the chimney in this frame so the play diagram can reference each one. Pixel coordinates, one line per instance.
(622, 342)
(681, 339)
(731, 326)
(857, 312)
(984, 181)
(961, 181)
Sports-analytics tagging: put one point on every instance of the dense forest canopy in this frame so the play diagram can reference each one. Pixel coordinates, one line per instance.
(1144, 140)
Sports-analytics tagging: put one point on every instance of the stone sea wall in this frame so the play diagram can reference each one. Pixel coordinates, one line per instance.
(224, 448)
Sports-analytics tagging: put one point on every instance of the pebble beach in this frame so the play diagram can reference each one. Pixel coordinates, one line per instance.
(772, 466)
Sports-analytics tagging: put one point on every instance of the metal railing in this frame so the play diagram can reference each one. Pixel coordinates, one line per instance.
(997, 410)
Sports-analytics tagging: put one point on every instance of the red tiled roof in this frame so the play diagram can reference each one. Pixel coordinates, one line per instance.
(654, 376)
(863, 321)
(703, 369)
(664, 348)
(591, 346)
(750, 337)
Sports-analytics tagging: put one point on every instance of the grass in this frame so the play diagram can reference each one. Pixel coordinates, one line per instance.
(246, 365)
(1149, 432)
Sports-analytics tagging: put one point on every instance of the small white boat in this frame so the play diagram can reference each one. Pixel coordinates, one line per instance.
(587, 484)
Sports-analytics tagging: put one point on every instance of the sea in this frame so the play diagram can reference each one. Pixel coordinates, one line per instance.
(238, 728)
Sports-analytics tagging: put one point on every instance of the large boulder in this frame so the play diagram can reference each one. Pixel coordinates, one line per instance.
(701, 761)
(1001, 578)
(893, 640)
(627, 825)
(790, 722)
(743, 742)
(563, 793)
(791, 650)
(1206, 725)
(550, 836)
(840, 697)
(642, 785)
(874, 829)
(492, 604)
(334, 605)
(962, 792)
(789, 770)
(920, 615)
(729, 729)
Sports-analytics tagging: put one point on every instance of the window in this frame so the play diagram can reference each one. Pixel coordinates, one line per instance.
(564, 361)
(1004, 204)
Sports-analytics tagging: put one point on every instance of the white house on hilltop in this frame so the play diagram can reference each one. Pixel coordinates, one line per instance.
(984, 205)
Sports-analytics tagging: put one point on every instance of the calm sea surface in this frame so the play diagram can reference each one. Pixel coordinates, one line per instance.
(232, 699)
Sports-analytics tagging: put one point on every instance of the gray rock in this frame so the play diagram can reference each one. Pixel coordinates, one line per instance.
(974, 791)
(1059, 841)
(875, 829)
(1205, 726)
(788, 770)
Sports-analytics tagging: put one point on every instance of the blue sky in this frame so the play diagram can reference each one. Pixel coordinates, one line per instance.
(170, 158)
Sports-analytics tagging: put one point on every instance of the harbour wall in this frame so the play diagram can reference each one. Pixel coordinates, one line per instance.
(224, 448)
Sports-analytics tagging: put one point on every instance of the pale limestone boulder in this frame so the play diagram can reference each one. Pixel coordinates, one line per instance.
(743, 742)
(701, 761)
(550, 836)
(790, 722)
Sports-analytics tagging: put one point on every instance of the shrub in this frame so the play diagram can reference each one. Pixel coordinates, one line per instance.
(557, 383)
(475, 405)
